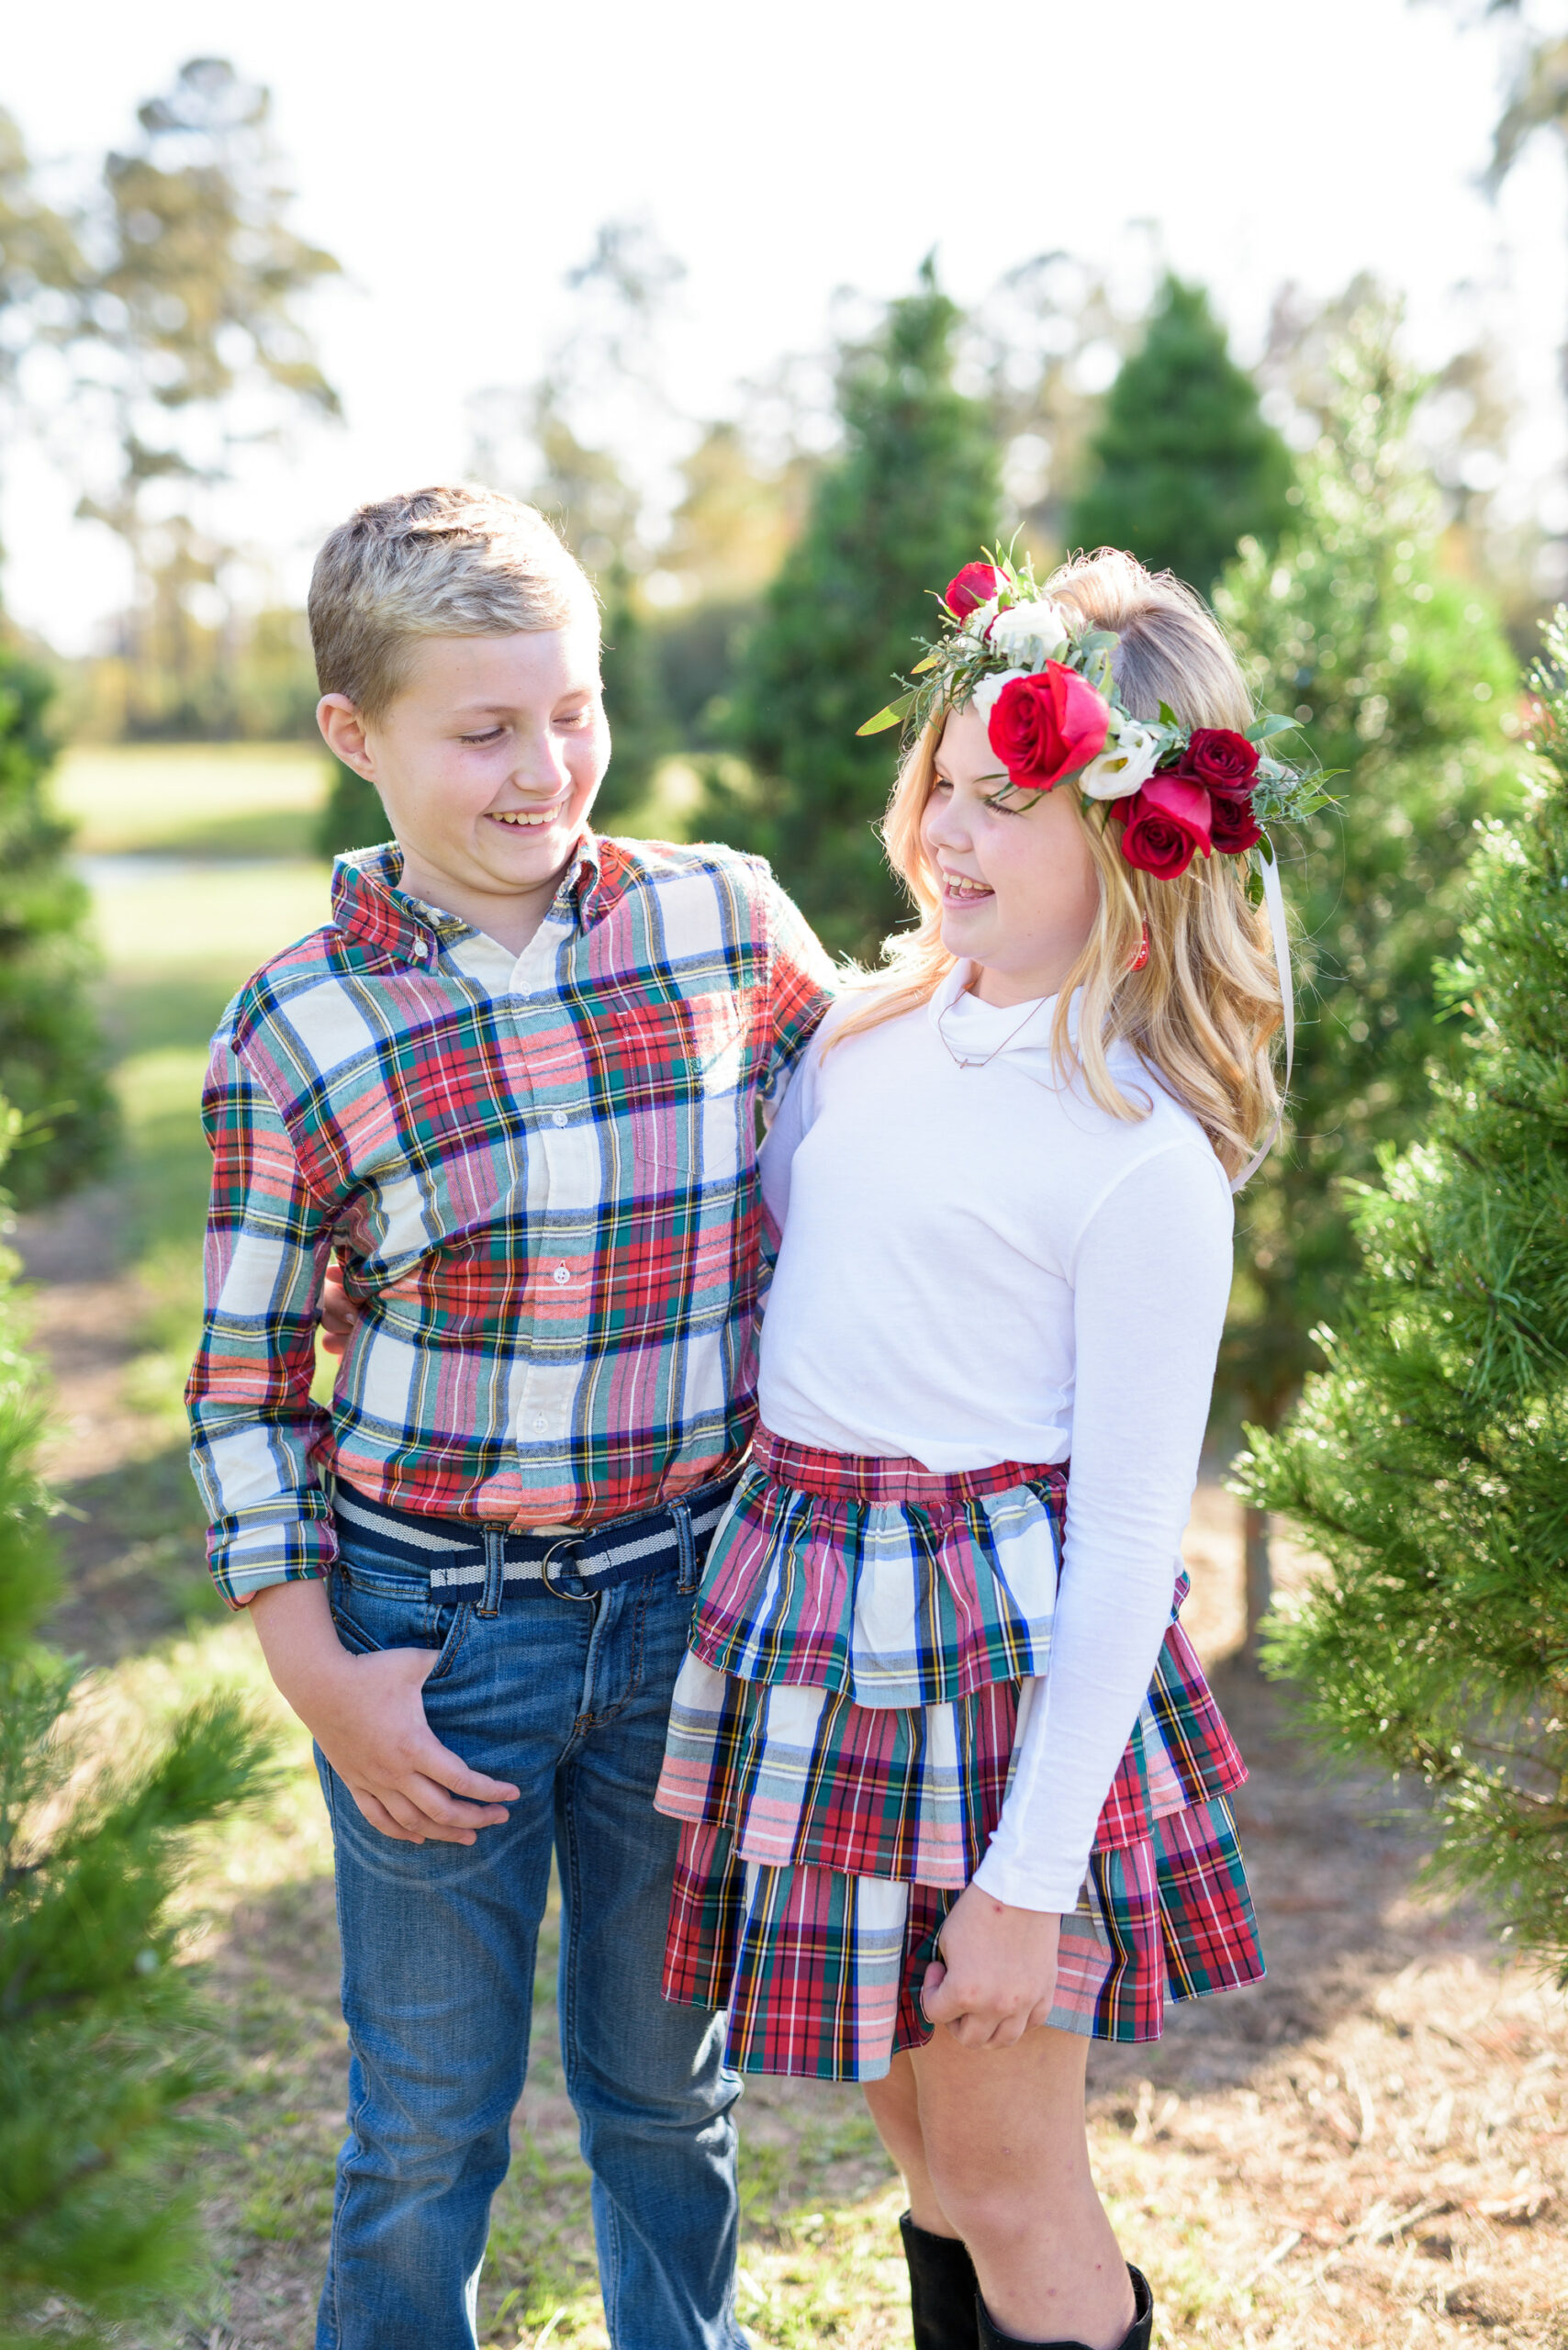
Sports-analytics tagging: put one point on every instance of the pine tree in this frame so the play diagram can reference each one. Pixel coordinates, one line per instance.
(103, 2040)
(640, 732)
(1184, 465)
(1429, 1464)
(914, 495)
(1402, 682)
(52, 1055)
(727, 538)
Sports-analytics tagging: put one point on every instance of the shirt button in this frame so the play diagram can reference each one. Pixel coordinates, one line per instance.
(539, 1422)
(561, 1273)
(558, 1118)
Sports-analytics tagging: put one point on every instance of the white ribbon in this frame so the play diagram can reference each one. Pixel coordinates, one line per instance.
(1274, 898)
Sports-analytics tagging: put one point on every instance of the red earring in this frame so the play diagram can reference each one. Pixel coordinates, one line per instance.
(1141, 958)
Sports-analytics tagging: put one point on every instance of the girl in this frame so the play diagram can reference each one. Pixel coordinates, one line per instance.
(952, 1783)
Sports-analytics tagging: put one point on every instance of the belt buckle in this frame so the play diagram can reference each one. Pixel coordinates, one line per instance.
(568, 1543)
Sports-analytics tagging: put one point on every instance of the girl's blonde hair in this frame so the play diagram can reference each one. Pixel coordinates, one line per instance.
(1201, 1011)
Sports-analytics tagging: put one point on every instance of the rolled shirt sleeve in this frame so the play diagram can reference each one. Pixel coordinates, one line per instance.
(253, 1426)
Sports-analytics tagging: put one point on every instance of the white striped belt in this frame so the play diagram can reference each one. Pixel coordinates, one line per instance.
(456, 1554)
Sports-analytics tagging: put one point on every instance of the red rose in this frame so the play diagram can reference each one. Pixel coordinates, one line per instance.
(1225, 762)
(1163, 824)
(1234, 828)
(1047, 727)
(974, 586)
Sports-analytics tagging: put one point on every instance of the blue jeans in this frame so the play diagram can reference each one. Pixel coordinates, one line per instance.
(568, 1700)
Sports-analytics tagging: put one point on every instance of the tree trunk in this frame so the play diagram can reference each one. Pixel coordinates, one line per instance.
(1259, 1578)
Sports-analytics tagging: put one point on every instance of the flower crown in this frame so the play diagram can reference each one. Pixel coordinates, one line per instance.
(1043, 683)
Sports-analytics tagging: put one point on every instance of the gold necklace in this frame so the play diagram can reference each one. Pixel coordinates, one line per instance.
(957, 1061)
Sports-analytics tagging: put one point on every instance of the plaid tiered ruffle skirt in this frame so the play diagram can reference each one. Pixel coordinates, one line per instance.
(839, 1751)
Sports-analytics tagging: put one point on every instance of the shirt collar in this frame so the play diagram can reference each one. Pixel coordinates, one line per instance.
(1031, 1034)
(584, 880)
(368, 902)
(956, 984)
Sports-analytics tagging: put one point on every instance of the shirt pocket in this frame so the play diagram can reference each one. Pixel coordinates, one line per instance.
(674, 1074)
(668, 1049)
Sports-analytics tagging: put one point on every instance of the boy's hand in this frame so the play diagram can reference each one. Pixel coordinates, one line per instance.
(997, 1973)
(339, 1312)
(368, 1718)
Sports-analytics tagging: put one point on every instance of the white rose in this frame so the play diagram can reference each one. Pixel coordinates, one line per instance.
(972, 636)
(1030, 635)
(1125, 765)
(986, 692)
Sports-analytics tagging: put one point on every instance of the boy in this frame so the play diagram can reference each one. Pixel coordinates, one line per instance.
(514, 1088)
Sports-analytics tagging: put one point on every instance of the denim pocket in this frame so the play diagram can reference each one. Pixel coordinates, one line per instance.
(378, 1605)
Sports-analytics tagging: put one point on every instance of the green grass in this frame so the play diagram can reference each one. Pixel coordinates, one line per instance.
(220, 799)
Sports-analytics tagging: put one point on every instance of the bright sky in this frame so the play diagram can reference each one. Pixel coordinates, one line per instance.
(458, 160)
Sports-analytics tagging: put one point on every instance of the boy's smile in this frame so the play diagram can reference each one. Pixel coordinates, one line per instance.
(486, 761)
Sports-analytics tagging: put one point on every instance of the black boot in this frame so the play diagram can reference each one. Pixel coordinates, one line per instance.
(1136, 2336)
(943, 2295)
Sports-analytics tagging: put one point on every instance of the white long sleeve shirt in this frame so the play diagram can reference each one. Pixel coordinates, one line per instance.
(979, 1265)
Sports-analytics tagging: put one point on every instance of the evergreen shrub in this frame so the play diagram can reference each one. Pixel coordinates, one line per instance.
(1404, 687)
(103, 2040)
(52, 1063)
(1428, 1465)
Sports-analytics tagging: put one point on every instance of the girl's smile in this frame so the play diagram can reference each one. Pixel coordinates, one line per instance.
(1015, 878)
(959, 891)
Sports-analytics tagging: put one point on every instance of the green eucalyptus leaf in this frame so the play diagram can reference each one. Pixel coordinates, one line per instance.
(894, 714)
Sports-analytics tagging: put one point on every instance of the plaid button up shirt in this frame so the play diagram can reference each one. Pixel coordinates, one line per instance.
(540, 1177)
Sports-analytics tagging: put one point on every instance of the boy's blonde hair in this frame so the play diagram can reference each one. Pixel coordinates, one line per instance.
(1201, 1011)
(443, 562)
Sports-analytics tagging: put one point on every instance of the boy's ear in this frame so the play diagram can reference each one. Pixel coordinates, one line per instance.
(342, 730)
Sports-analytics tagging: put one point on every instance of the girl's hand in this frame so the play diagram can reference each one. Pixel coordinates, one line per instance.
(339, 1312)
(997, 1974)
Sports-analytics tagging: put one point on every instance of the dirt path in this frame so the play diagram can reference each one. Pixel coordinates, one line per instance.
(131, 1534)
(1368, 2149)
